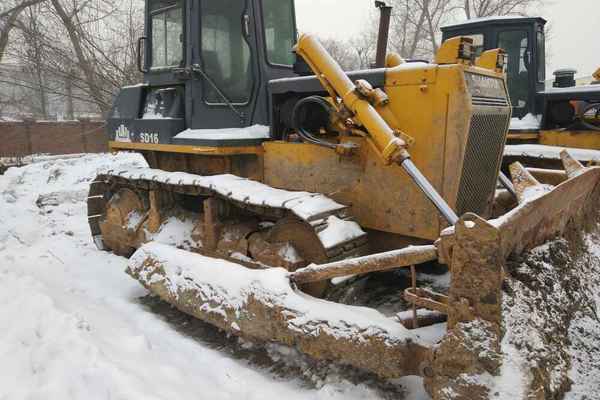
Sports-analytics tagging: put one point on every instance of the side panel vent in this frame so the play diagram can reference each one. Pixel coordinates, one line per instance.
(483, 157)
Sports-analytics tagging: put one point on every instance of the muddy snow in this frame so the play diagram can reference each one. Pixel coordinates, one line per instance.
(74, 325)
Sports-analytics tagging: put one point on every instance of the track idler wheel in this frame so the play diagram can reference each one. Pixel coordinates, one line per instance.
(303, 239)
(121, 224)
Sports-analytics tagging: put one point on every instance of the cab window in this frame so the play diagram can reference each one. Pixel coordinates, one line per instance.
(225, 51)
(541, 57)
(167, 33)
(516, 45)
(280, 34)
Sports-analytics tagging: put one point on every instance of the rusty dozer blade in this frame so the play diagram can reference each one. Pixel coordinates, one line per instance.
(264, 305)
(546, 215)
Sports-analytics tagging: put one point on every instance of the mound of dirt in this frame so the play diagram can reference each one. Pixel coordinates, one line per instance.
(552, 295)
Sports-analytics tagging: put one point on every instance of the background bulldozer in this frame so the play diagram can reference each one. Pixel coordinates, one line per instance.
(276, 183)
(565, 115)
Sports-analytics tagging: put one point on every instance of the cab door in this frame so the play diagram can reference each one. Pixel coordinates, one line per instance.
(226, 77)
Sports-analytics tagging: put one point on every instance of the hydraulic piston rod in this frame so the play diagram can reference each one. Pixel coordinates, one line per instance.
(429, 191)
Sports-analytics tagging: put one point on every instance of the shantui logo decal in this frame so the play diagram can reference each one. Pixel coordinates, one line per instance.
(123, 134)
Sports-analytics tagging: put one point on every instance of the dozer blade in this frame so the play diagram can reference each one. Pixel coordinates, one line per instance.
(542, 217)
(263, 305)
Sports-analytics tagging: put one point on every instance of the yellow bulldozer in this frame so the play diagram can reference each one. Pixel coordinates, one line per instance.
(274, 175)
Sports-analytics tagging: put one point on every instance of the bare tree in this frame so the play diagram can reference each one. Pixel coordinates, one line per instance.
(35, 52)
(81, 50)
(365, 47)
(437, 13)
(9, 14)
(416, 24)
(72, 23)
(342, 52)
(487, 8)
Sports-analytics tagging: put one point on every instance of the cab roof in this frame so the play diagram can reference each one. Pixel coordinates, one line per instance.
(498, 20)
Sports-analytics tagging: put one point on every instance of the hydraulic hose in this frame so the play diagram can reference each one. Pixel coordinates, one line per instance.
(298, 120)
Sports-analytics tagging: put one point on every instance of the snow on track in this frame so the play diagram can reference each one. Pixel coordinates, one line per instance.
(72, 325)
(305, 205)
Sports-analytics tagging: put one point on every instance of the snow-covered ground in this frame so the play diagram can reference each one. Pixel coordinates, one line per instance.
(72, 323)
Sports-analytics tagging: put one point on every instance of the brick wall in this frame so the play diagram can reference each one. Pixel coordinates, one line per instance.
(35, 137)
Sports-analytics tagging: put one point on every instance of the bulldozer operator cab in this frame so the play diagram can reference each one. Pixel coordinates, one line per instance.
(206, 65)
(524, 42)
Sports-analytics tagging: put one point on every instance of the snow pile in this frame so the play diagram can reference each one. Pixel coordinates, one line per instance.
(72, 323)
(585, 356)
(412, 65)
(339, 231)
(176, 232)
(289, 253)
(251, 132)
(528, 122)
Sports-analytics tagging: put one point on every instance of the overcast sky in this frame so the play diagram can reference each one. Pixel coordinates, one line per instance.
(573, 41)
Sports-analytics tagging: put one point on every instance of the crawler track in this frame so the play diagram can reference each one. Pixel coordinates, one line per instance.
(260, 200)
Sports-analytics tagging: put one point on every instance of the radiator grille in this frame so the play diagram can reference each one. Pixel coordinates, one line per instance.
(483, 156)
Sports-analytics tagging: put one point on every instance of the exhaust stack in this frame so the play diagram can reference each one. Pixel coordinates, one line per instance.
(384, 31)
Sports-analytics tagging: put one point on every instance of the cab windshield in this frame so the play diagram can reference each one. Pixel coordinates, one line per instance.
(280, 32)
